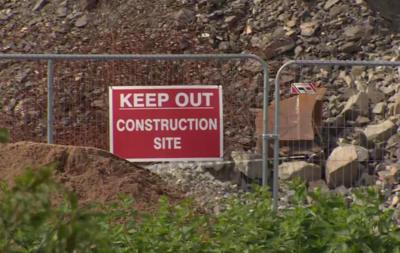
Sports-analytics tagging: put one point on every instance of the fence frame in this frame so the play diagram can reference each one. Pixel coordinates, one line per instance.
(276, 130)
(52, 58)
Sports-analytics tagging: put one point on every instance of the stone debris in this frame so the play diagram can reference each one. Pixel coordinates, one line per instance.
(197, 182)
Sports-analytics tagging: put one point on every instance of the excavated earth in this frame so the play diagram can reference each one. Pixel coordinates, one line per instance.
(93, 174)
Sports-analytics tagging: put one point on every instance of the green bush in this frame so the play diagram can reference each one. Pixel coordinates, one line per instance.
(31, 222)
(316, 222)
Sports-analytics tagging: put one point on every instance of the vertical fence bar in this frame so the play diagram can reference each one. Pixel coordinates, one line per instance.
(50, 98)
(265, 146)
(276, 135)
(276, 143)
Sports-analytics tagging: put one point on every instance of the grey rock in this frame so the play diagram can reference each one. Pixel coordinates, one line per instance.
(394, 140)
(389, 90)
(261, 40)
(318, 184)
(380, 132)
(354, 32)
(357, 104)
(330, 3)
(389, 176)
(89, 4)
(362, 121)
(62, 11)
(22, 75)
(374, 95)
(344, 165)
(349, 47)
(309, 28)
(230, 20)
(394, 108)
(303, 170)
(184, 17)
(40, 4)
(359, 139)
(252, 67)
(82, 21)
(279, 46)
(248, 163)
(379, 108)
(6, 14)
(100, 103)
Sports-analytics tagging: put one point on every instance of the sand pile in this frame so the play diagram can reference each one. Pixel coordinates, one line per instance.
(94, 174)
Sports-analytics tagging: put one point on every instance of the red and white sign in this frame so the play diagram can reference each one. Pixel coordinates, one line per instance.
(166, 123)
(301, 88)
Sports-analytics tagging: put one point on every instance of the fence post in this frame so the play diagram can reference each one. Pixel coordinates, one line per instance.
(50, 80)
(277, 134)
(265, 170)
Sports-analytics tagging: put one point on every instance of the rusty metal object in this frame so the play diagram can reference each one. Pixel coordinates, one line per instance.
(300, 117)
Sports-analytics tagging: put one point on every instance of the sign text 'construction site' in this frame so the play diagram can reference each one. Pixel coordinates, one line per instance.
(150, 123)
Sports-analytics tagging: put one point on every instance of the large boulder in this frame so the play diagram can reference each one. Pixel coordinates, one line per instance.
(343, 166)
(303, 170)
(380, 132)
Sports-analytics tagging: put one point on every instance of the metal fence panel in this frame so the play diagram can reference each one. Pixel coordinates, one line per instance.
(76, 89)
(340, 124)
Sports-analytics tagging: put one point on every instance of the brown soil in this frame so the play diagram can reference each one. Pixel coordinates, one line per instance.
(94, 174)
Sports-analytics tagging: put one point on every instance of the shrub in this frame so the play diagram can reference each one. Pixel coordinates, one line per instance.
(316, 222)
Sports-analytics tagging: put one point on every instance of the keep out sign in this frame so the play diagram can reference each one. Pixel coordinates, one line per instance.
(154, 123)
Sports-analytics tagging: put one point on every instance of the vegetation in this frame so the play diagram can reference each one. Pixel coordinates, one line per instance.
(31, 222)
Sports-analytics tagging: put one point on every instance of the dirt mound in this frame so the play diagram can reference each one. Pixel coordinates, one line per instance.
(94, 174)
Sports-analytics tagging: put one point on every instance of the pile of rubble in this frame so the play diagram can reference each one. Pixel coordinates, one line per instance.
(297, 29)
(201, 182)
